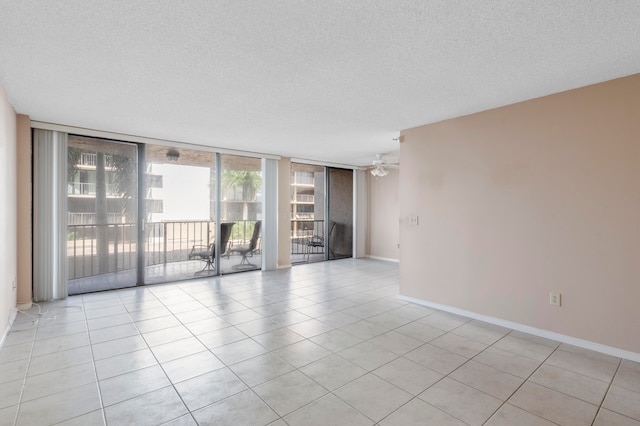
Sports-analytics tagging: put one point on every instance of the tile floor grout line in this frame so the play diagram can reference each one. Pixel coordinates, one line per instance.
(604, 396)
(93, 362)
(523, 383)
(414, 397)
(382, 378)
(299, 369)
(471, 359)
(249, 388)
(36, 324)
(579, 374)
(172, 384)
(373, 298)
(104, 408)
(446, 376)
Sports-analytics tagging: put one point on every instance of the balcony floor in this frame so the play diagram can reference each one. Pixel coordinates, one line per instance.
(174, 271)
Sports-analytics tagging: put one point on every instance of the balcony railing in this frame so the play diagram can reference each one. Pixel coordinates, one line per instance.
(302, 179)
(89, 159)
(88, 188)
(118, 254)
(90, 218)
(302, 198)
(301, 233)
(164, 242)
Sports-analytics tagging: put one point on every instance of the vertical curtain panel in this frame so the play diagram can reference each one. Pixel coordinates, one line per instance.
(270, 214)
(50, 216)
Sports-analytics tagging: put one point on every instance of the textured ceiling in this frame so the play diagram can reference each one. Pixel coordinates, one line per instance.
(325, 80)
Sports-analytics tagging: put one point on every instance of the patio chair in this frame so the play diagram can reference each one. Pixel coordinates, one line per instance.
(208, 253)
(247, 250)
(317, 241)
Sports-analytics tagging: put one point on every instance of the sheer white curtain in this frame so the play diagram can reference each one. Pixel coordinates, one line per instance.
(50, 215)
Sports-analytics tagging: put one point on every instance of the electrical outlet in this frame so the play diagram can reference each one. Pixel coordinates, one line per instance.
(413, 220)
(555, 299)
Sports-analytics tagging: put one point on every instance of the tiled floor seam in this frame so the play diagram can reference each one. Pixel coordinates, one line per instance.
(248, 287)
(369, 372)
(522, 384)
(421, 400)
(604, 396)
(466, 362)
(102, 405)
(36, 324)
(173, 385)
(329, 392)
(95, 370)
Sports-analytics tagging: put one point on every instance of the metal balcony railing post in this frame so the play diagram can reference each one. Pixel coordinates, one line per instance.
(164, 238)
(115, 245)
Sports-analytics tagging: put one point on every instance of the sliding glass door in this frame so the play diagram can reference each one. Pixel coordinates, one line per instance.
(240, 214)
(102, 200)
(180, 225)
(321, 213)
(340, 213)
(144, 214)
(307, 213)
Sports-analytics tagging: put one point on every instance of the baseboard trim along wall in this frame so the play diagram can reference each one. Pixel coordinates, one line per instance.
(386, 259)
(12, 318)
(585, 344)
(24, 306)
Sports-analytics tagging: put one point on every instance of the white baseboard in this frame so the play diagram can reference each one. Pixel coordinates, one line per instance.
(24, 306)
(12, 318)
(386, 259)
(586, 344)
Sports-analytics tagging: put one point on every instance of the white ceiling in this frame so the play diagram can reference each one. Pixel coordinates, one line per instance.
(329, 80)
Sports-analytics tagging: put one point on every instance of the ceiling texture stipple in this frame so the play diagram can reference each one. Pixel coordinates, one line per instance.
(327, 80)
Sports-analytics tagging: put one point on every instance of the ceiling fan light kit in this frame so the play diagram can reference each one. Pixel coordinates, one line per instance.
(379, 171)
(381, 167)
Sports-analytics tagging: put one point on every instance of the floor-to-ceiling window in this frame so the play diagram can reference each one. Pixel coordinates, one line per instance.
(240, 213)
(339, 213)
(179, 213)
(144, 213)
(307, 213)
(102, 202)
(321, 213)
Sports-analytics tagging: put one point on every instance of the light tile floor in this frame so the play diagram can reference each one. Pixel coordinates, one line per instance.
(320, 344)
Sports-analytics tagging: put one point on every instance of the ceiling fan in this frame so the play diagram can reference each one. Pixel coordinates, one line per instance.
(381, 165)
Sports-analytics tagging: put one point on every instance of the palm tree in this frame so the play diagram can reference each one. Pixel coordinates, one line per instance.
(248, 180)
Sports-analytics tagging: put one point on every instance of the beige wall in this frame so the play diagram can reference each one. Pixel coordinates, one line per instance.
(534, 197)
(384, 210)
(24, 203)
(8, 213)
